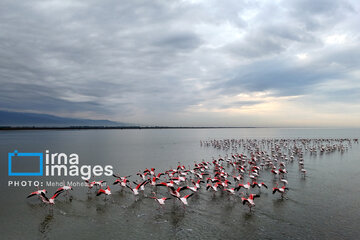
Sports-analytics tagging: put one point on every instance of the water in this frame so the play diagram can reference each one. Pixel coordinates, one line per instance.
(324, 205)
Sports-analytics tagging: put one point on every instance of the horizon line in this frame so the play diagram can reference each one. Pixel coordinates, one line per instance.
(148, 127)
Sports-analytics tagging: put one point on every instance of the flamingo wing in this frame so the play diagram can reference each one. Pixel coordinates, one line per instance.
(252, 196)
(101, 191)
(60, 190)
(143, 183)
(162, 184)
(116, 176)
(182, 188)
(189, 195)
(57, 193)
(32, 194)
(44, 197)
(244, 200)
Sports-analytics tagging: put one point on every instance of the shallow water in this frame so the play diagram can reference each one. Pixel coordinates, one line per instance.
(324, 205)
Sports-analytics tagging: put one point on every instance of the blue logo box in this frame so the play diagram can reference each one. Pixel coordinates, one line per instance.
(18, 154)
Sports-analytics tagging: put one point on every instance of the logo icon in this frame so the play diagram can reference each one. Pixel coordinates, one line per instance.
(25, 164)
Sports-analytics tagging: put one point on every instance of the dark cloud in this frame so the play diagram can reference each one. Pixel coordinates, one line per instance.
(182, 40)
(256, 45)
(284, 79)
(319, 15)
(138, 59)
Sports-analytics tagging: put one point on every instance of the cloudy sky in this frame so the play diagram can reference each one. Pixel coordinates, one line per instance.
(184, 63)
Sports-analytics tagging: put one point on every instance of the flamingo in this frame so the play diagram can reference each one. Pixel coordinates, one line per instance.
(121, 178)
(238, 178)
(159, 175)
(104, 191)
(250, 200)
(213, 187)
(136, 189)
(255, 184)
(64, 188)
(153, 181)
(142, 175)
(181, 178)
(98, 183)
(176, 193)
(281, 190)
(89, 184)
(142, 187)
(122, 182)
(303, 171)
(46, 200)
(166, 184)
(225, 183)
(284, 181)
(213, 180)
(184, 199)
(200, 175)
(194, 188)
(151, 172)
(246, 186)
(161, 201)
(176, 180)
(38, 193)
(230, 190)
(197, 183)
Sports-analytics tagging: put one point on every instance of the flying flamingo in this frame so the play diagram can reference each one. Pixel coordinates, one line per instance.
(184, 199)
(230, 190)
(104, 191)
(197, 183)
(161, 201)
(250, 200)
(153, 181)
(64, 188)
(255, 184)
(238, 178)
(98, 183)
(120, 181)
(121, 178)
(38, 193)
(142, 175)
(137, 188)
(246, 186)
(151, 172)
(166, 184)
(176, 193)
(200, 175)
(281, 190)
(89, 184)
(213, 187)
(225, 183)
(51, 201)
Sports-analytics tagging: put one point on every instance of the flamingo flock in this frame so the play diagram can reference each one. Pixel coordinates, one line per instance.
(246, 169)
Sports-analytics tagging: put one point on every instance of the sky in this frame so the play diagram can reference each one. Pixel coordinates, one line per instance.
(267, 63)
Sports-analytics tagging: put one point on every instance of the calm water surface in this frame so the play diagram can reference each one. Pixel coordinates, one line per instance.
(324, 205)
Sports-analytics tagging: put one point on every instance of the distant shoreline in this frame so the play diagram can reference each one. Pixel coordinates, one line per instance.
(8, 128)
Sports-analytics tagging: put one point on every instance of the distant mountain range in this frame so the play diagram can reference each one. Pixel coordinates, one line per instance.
(8, 118)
